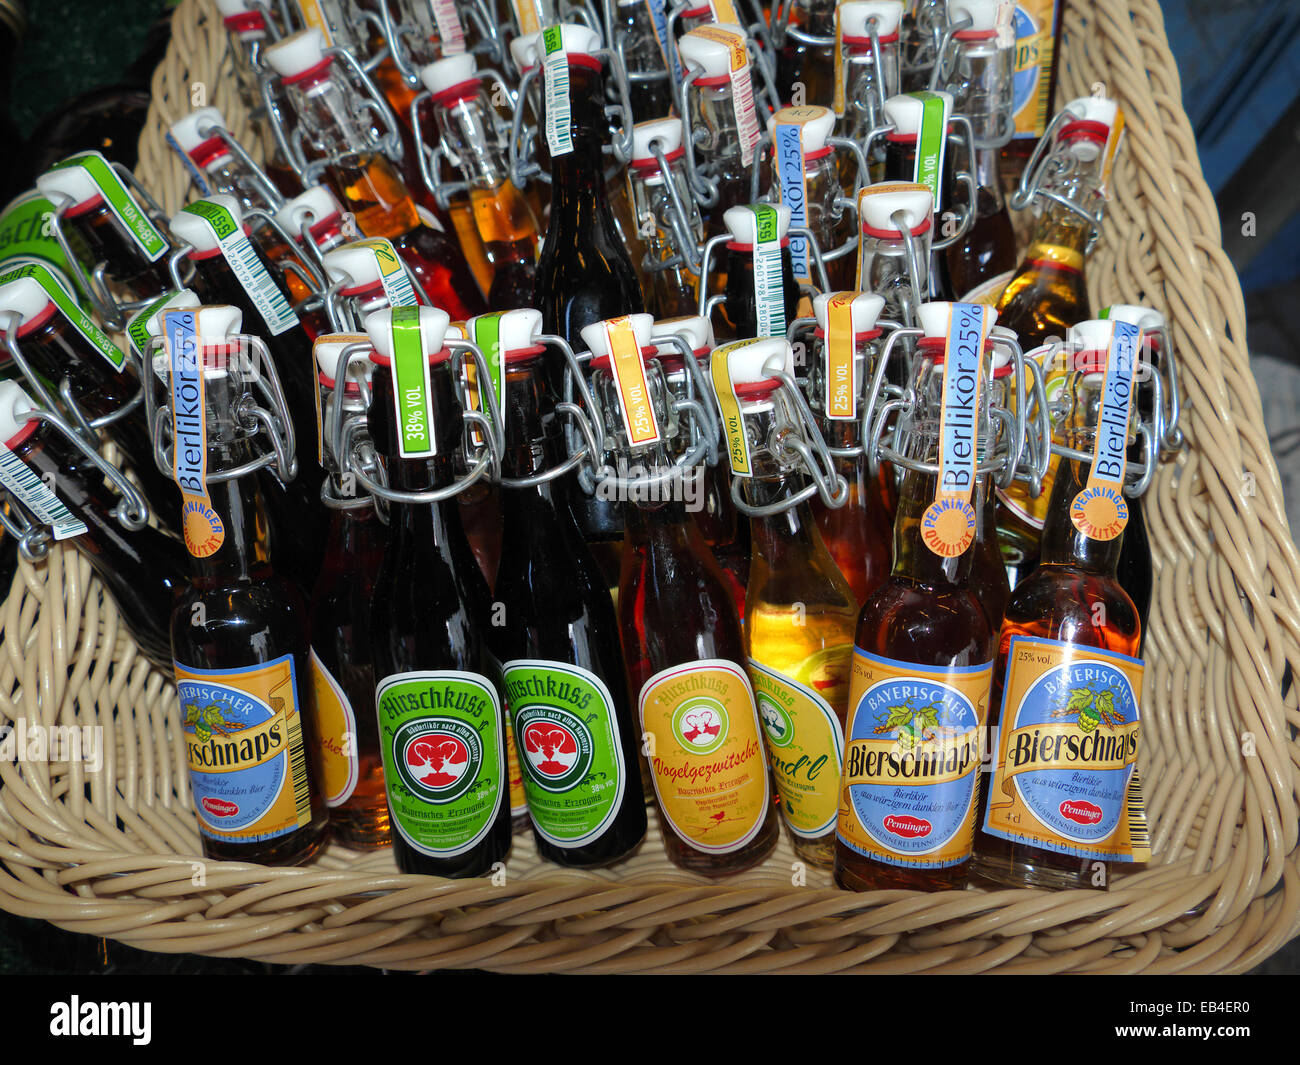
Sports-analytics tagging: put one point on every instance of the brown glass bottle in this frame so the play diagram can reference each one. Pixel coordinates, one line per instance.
(809, 65)
(97, 237)
(900, 165)
(560, 632)
(740, 311)
(429, 613)
(989, 246)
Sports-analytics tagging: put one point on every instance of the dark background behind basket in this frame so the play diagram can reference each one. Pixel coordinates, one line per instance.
(1239, 61)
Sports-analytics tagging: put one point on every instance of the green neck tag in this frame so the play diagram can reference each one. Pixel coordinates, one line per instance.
(120, 202)
(71, 311)
(137, 327)
(485, 332)
(930, 143)
(411, 388)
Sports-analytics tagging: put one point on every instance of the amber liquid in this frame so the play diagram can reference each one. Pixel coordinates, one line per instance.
(1073, 588)
(508, 232)
(674, 608)
(926, 613)
(858, 535)
(740, 311)
(988, 575)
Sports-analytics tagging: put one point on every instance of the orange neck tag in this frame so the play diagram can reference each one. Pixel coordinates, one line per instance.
(626, 365)
(841, 390)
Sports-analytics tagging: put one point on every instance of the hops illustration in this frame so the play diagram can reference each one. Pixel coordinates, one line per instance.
(1091, 708)
(913, 724)
(207, 721)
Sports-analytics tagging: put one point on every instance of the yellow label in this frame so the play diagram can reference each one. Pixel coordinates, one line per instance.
(518, 798)
(912, 767)
(315, 18)
(528, 16)
(1111, 149)
(337, 758)
(733, 422)
(707, 761)
(837, 104)
(1065, 778)
(841, 394)
(725, 11)
(243, 739)
(1033, 25)
(805, 741)
(628, 369)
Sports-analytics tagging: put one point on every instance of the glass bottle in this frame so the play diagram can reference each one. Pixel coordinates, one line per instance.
(471, 136)
(861, 88)
(668, 220)
(858, 535)
(349, 765)
(804, 62)
(762, 296)
(799, 613)
(1063, 795)
(923, 664)
(921, 34)
(329, 109)
(1036, 30)
(894, 257)
(239, 631)
(565, 682)
(636, 37)
(438, 686)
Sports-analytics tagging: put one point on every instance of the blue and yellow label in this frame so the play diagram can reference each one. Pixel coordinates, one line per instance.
(204, 532)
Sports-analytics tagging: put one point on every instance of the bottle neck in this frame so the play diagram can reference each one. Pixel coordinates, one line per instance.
(530, 448)
(578, 196)
(242, 555)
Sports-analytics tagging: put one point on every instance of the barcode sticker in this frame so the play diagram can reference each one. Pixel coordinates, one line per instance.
(788, 148)
(249, 270)
(37, 496)
(769, 292)
(392, 274)
(72, 312)
(555, 72)
(100, 171)
(742, 88)
(412, 391)
(628, 369)
(451, 34)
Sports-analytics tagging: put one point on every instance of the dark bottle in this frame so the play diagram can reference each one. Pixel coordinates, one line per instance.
(349, 765)
(239, 632)
(333, 115)
(565, 681)
(922, 665)
(441, 728)
(61, 342)
(808, 64)
(636, 26)
(762, 294)
(218, 239)
(1068, 676)
(13, 23)
(142, 569)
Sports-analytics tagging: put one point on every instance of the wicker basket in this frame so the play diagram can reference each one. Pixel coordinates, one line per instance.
(115, 852)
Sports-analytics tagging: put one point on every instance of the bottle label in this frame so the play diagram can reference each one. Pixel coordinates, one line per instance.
(915, 747)
(27, 233)
(948, 524)
(658, 11)
(569, 748)
(37, 496)
(1100, 511)
(628, 370)
(841, 397)
(72, 312)
(1031, 82)
(742, 88)
(243, 737)
(805, 743)
(725, 11)
(442, 745)
(930, 142)
(451, 34)
(142, 232)
(314, 18)
(249, 270)
(518, 797)
(529, 14)
(484, 333)
(555, 75)
(412, 391)
(392, 274)
(201, 524)
(336, 736)
(707, 761)
(769, 292)
(733, 422)
(1065, 778)
(787, 146)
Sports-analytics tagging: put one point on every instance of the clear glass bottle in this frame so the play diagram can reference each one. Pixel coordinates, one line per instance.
(668, 222)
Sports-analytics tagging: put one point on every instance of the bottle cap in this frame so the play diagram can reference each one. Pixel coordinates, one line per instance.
(68, 182)
(433, 332)
(317, 202)
(448, 73)
(355, 265)
(594, 335)
(196, 232)
(1148, 319)
(147, 322)
(25, 297)
(1088, 131)
(528, 51)
(742, 223)
(518, 330)
(986, 16)
(864, 310)
(193, 134)
(214, 325)
(326, 350)
(750, 362)
(709, 58)
(15, 414)
(697, 330)
(854, 15)
(904, 112)
(667, 131)
(934, 318)
(298, 54)
(879, 203)
(1091, 335)
(815, 129)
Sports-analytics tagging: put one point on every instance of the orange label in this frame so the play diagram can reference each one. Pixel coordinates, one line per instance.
(709, 772)
(336, 736)
(628, 368)
(837, 103)
(841, 393)
(725, 11)
(735, 44)
(518, 799)
(912, 762)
